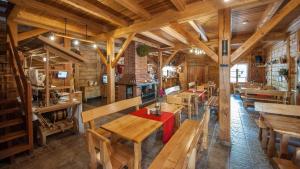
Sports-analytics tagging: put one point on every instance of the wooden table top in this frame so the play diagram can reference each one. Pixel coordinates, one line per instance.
(280, 109)
(174, 153)
(132, 128)
(283, 124)
(168, 107)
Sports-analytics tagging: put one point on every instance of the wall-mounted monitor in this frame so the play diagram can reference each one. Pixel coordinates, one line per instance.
(62, 74)
(104, 79)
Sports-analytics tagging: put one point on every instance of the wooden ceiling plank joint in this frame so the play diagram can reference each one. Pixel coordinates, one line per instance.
(179, 4)
(157, 38)
(134, 7)
(199, 29)
(174, 34)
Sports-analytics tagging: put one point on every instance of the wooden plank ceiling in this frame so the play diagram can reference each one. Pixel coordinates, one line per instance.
(99, 18)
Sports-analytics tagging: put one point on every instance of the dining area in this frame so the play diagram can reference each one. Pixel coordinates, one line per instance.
(179, 121)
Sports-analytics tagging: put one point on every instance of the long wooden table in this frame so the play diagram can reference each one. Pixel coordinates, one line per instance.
(278, 118)
(134, 129)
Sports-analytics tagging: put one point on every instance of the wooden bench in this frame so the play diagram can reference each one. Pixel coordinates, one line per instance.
(184, 101)
(172, 90)
(91, 115)
(287, 164)
(181, 150)
(268, 96)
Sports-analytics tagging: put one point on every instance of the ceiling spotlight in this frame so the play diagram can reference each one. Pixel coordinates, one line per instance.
(245, 22)
(76, 42)
(191, 50)
(52, 37)
(95, 46)
(44, 59)
(226, 0)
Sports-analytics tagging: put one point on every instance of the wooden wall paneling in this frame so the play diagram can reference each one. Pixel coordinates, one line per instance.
(110, 71)
(196, 74)
(224, 16)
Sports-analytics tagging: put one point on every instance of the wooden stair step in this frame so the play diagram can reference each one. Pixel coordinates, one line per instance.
(9, 123)
(12, 136)
(9, 111)
(13, 150)
(8, 101)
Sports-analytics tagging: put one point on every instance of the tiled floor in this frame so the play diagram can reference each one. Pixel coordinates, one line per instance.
(68, 151)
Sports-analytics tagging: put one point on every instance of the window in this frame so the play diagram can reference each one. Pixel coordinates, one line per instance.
(239, 73)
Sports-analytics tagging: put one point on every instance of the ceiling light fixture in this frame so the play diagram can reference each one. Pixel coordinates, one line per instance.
(226, 0)
(44, 59)
(245, 22)
(52, 37)
(95, 46)
(197, 51)
(76, 42)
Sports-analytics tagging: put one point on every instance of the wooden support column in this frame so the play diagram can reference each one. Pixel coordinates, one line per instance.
(110, 70)
(160, 57)
(289, 62)
(47, 92)
(224, 74)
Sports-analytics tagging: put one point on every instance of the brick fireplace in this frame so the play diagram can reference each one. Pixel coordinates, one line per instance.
(135, 81)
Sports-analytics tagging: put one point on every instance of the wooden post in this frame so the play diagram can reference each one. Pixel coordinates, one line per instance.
(47, 93)
(160, 70)
(224, 74)
(110, 70)
(289, 62)
(14, 30)
(186, 72)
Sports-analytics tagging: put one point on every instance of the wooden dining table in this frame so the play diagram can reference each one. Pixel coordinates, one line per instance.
(172, 108)
(135, 129)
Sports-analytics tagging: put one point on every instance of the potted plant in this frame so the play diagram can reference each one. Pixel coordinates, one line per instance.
(143, 50)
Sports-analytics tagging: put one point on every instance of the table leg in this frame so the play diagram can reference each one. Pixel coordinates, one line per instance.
(271, 144)
(137, 155)
(264, 140)
(284, 142)
(205, 130)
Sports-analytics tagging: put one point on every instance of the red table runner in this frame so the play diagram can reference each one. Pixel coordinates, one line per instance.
(166, 118)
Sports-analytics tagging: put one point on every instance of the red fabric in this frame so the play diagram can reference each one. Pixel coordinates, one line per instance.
(168, 120)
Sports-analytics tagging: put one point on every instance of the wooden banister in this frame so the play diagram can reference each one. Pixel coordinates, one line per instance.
(23, 84)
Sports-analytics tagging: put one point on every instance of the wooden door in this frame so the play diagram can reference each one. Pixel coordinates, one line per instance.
(197, 74)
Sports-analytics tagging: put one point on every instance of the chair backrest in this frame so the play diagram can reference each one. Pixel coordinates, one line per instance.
(97, 142)
(191, 85)
(171, 90)
(173, 99)
(90, 115)
(200, 88)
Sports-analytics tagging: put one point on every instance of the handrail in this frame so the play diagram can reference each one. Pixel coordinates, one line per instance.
(23, 84)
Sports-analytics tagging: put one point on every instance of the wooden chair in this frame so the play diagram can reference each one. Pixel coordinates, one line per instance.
(270, 96)
(287, 164)
(91, 115)
(186, 101)
(110, 156)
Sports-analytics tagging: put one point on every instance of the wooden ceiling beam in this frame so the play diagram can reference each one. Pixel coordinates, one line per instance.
(191, 12)
(265, 29)
(123, 48)
(269, 12)
(174, 34)
(30, 34)
(39, 21)
(102, 57)
(195, 41)
(33, 4)
(179, 4)
(151, 44)
(170, 58)
(199, 29)
(134, 7)
(95, 11)
(157, 38)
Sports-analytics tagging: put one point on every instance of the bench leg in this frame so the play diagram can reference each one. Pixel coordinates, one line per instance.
(264, 138)
(283, 152)
(271, 143)
(260, 134)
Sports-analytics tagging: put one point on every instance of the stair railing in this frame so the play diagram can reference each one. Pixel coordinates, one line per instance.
(23, 84)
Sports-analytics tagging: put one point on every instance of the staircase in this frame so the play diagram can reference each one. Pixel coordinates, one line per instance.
(15, 114)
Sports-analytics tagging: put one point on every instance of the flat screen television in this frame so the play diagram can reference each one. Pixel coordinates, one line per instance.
(104, 79)
(62, 74)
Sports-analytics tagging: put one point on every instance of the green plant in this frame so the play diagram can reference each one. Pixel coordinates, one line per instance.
(283, 72)
(143, 50)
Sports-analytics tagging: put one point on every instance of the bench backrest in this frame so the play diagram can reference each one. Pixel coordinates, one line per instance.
(180, 150)
(90, 115)
(276, 93)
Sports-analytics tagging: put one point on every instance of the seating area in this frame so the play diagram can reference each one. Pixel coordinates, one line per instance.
(158, 84)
